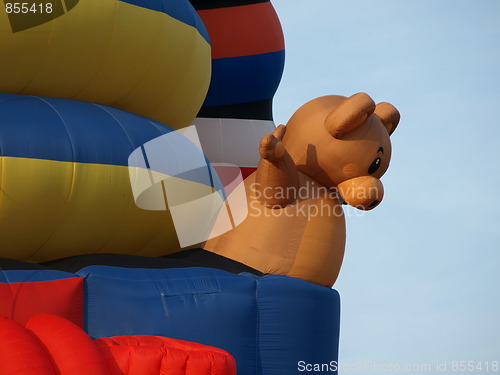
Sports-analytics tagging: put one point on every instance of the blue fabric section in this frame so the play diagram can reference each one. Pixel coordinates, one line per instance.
(267, 323)
(72, 131)
(21, 276)
(245, 79)
(303, 318)
(181, 10)
(203, 305)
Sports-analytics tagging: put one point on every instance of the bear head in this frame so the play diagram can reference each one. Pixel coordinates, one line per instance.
(344, 143)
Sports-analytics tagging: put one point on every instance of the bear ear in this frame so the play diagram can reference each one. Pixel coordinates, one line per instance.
(389, 116)
(351, 113)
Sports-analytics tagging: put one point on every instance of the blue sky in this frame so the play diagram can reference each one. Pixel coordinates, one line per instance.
(420, 281)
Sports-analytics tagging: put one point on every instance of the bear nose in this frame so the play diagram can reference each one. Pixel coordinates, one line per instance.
(365, 192)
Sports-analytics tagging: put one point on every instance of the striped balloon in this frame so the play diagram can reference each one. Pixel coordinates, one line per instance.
(65, 187)
(247, 63)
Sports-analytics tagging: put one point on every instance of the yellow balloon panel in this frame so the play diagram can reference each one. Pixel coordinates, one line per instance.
(114, 53)
(51, 209)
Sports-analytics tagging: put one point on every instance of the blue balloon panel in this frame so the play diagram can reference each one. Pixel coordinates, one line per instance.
(267, 323)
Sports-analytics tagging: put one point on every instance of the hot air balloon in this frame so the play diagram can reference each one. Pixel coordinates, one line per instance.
(98, 154)
(66, 187)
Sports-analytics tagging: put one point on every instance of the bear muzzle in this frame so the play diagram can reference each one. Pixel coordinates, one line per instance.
(364, 193)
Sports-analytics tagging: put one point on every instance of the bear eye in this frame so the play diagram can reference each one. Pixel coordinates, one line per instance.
(374, 166)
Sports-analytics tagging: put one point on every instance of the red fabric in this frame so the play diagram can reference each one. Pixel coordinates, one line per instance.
(229, 176)
(64, 297)
(243, 30)
(164, 356)
(247, 171)
(51, 345)
(72, 350)
(21, 352)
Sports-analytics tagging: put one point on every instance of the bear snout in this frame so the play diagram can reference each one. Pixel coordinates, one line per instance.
(364, 193)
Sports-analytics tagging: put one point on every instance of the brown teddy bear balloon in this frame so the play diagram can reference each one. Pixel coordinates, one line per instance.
(332, 151)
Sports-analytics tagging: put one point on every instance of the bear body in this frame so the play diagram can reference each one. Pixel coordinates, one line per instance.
(310, 242)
